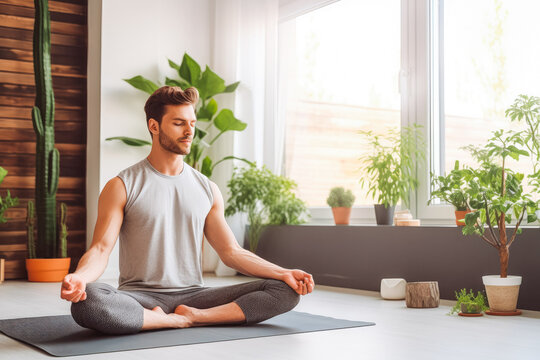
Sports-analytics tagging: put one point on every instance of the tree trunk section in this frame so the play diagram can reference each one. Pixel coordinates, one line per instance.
(422, 294)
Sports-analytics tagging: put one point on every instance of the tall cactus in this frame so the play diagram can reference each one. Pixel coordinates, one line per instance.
(63, 230)
(30, 229)
(47, 156)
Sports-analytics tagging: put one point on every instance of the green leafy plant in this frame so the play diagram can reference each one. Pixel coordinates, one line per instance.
(527, 108)
(390, 170)
(47, 156)
(8, 201)
(268, 199)
(452, 188)
(473, 303)
(209, 84)
(497, 195)
(339, 197)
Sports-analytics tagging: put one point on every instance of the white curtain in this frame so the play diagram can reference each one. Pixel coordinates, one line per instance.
(245, 50)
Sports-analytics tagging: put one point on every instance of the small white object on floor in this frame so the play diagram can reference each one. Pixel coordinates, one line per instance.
(393, 289)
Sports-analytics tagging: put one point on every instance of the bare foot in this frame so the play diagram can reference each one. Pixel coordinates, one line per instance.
(189, 312)
(158, 310)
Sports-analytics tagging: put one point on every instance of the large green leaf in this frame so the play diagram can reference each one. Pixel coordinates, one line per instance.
(190, 70)
(174, 65)
(226, 121)
(210, 84)
(206, 167)
(232, 87)
(181, 83)
(206, 113)
(130, 141)
(143, 84)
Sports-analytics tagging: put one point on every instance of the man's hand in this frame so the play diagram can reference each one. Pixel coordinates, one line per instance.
(73, 288)
(300, 281)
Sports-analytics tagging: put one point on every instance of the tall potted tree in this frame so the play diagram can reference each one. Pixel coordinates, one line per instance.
(47, 261)
(497, 198)
(390, 169)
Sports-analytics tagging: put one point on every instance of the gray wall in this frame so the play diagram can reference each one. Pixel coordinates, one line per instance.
(360, 256)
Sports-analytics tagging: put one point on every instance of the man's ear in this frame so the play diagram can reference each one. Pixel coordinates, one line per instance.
(153, 126)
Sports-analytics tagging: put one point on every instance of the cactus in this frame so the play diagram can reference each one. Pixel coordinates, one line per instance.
(47, 156)
(63, 230)
(30, 226)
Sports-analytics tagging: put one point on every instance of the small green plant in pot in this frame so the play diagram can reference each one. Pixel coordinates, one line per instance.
(390, 169)
(268, 199)
(341, 202)
(469, 304)
(452, 188)
(497, 197)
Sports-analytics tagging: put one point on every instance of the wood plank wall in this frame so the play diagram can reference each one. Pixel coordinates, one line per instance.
(17, 138)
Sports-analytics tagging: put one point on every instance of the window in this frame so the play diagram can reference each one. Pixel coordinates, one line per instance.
(342, 64)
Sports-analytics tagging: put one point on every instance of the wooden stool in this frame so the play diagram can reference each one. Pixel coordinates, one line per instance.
(424, 294)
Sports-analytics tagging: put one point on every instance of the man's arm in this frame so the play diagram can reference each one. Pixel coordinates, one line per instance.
(93, 263)
(220, 236)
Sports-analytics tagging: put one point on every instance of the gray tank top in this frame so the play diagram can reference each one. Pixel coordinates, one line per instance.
(161, 236)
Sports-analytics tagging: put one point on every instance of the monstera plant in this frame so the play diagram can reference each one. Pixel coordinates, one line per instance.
(209, 84)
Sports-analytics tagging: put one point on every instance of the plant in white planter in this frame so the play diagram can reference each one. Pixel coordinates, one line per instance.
(390, 170)
(497, 198)
(341, 202)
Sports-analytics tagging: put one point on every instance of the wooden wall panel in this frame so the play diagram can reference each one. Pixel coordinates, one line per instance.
(17, 137)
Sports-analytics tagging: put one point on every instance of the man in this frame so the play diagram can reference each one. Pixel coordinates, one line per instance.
(160, 208)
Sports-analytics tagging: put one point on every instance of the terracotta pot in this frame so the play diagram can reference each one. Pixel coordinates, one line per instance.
(460, 215)
(342, 215)
(47, 270)
(502, 293)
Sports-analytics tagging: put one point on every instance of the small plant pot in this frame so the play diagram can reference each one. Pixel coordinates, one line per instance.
(47, 270)
(460, 215)
(342, 215)
(384, 215)
(470, 308)
(502, 293)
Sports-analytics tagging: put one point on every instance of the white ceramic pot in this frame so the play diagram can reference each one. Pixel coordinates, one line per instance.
(393, 289)
(502, 293)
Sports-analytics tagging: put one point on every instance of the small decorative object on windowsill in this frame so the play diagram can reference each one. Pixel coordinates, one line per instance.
(423, 294)
(405, 218)
(393, 289)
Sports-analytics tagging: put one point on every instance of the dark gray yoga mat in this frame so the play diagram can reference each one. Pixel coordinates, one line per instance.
(61, 336)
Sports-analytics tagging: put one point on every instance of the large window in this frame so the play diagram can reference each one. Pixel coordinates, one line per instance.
(342, 63)
(491, 52)
(462, 63)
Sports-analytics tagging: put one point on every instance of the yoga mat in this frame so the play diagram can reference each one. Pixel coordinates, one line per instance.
(61, 336)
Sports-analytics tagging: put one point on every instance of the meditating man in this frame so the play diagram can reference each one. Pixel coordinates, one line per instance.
(160, 208)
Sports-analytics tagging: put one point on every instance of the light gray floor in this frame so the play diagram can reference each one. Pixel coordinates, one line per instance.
(400, 333)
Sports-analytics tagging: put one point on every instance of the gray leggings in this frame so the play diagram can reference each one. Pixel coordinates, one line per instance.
(112, 311)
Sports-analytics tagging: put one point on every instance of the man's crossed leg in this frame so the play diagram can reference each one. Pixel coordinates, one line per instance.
(113, 311)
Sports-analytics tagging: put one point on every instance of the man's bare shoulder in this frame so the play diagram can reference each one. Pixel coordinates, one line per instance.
(114, 191)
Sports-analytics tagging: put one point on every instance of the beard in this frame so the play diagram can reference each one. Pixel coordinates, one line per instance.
(169, 144)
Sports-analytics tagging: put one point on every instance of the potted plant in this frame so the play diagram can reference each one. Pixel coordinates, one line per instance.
(341, 202)
(497, 197)
(469, 304)
(8, 201)
(390, 170)
(268, 199)
(209, 84)
(451, 188)
(45, 262)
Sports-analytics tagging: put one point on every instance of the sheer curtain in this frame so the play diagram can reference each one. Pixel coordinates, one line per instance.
(245, 50)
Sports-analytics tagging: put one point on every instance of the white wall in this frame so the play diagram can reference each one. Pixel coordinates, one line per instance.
(137, 37)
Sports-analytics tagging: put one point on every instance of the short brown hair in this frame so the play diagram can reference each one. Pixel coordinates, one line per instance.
(168, 95)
